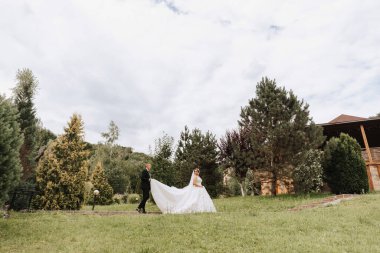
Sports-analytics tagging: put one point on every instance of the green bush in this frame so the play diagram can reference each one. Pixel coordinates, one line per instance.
(100, 183)
(125, 199)
(133, 198)
(119, 198)
(344, 167)
(116, 201)
(308, 174)
(232, 188)
(87, 192)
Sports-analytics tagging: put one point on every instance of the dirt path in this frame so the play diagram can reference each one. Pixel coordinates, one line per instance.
(110, 213)
(333, 200)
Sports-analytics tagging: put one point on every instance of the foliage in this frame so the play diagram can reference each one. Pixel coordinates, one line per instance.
(43, 136)
(10, 143)
(24, 93)
(62, 171)
(88, 190)
(163, 168)
(112, 135)
(121, 165)
(196, 149)
(235, 153)
(134, 165)
(120, 199)
(133, 198)
(308, 174)
(344, 166)
(122, 169)
(100, 183)
(114, 166)
(233, 187)
(280, 129)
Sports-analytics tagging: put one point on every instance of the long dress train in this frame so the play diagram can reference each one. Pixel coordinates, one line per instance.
(189, 199)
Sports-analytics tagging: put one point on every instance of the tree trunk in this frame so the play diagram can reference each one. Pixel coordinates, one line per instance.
(274, 184)
(241, 189)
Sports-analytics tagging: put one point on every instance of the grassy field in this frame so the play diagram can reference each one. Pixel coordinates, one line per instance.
(250, 224)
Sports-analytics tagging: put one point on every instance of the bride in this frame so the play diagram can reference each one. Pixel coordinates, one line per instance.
(190, 199)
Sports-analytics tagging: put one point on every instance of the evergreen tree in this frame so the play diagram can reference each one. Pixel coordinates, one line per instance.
(24, 93)
(62, 171)
(43, 136)
(344, 166)
(198, 150)
(10, 143)
(100, 183)
(48, 181)
(280, 129)
(163, 169)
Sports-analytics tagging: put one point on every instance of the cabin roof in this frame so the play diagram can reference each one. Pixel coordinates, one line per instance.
(351, 125)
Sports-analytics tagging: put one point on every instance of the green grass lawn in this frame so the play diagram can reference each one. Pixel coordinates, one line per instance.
(250, 224)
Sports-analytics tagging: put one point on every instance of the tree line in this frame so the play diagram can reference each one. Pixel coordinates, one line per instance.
(275, 133)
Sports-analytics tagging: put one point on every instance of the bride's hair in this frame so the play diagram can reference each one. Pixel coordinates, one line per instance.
(196, 169)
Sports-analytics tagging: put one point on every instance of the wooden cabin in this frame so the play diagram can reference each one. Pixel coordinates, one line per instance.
(367, 132)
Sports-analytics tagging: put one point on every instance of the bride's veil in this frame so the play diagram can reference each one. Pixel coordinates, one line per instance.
(192, 179)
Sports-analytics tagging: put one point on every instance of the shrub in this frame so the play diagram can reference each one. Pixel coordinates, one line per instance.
(125, 199)
(87, 191)
(232, 188)
(133, 198)
(100, 183)
(308, 174)
(116, 201)
(344, 167)
(119, 198)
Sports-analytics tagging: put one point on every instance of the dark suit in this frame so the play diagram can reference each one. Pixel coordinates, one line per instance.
(145, 186)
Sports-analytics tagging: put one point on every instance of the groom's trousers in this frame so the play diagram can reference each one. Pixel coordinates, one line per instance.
(144, 198)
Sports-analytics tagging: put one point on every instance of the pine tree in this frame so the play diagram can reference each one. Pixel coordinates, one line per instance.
(10, 143)
(196, 149)
(62, 171)
(344, 166)
(100, 183)
(24, 93)
(280, 129)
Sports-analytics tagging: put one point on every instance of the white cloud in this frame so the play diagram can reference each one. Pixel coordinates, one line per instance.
(156, 65)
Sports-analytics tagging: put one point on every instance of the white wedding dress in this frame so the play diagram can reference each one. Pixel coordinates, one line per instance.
(189, 199)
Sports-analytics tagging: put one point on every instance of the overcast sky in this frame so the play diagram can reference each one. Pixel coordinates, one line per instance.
(158, 65)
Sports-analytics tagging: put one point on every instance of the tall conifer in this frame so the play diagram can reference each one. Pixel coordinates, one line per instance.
(280, 129)
(10, 143)
(24, 94)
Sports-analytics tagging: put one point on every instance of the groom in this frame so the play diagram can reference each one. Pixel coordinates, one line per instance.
(145, 186)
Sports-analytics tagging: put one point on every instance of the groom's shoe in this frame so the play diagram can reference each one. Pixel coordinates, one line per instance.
(143, 210)
(139, 210)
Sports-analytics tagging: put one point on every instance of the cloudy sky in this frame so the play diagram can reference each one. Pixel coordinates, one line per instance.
(158, 65)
